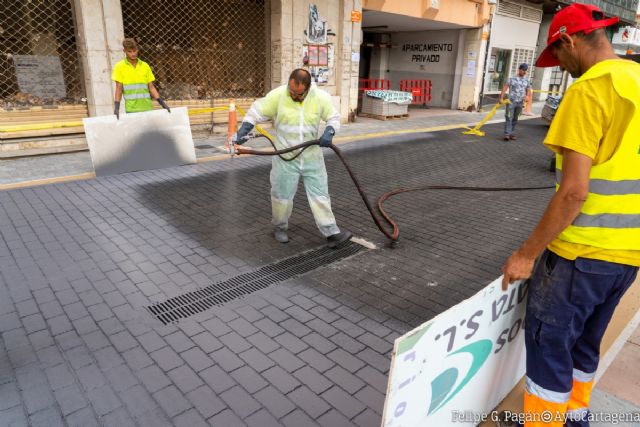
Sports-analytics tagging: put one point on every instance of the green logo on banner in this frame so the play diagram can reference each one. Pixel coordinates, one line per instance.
(442, 384)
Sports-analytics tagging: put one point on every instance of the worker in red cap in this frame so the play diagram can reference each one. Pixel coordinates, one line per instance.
(587, 243)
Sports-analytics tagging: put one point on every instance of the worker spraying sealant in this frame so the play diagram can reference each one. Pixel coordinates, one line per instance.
(296, 110)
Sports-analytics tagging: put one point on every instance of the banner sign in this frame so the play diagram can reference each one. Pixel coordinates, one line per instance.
(456, 368)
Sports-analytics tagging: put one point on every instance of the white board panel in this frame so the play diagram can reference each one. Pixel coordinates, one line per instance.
(141, 141)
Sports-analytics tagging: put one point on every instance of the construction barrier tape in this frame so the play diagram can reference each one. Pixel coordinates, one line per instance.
(476, 130)
(45, 126)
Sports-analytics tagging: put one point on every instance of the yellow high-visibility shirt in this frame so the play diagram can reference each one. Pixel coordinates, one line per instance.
(135, 84)
(597, 117)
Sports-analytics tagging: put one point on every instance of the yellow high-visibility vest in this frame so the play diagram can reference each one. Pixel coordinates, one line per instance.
(135, 84)
(610, 216)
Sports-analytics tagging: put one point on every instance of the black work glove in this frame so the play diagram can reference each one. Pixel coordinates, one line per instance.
(116, 109)
(164, 104)
(327, 136)
(243, 133)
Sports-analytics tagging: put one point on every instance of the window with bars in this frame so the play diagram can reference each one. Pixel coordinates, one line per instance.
(201, 49)
(522, 56)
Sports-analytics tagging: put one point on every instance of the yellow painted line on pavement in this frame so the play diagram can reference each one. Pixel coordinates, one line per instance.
(45, 181)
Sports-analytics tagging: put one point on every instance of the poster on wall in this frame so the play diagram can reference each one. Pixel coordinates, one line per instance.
(40, 75)
(492, 63)
(316, 31)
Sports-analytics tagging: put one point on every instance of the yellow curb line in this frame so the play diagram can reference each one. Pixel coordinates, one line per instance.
(339, 141)
(45, 181)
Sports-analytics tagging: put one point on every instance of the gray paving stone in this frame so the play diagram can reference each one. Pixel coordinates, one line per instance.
(78, 357)
(263, 343)
(217, 379)
(347, 343)
(68, 340)
(138, 401)
(123, 341)
(249, 379)
(95, 340)
(190, 419)
(242, 326)
(240, 402)
(137, 358)
(295, 327)
(226, 418)
(185, 379)
(118, 418)
(378, 344)
(153, 378)
(281, 379)
(108, 358)
(319, 343)
(75, 310)
(206, 401)
(298, 419)
(334, 419)
(249, 313)
(50, 356)
(262, 418)
(367, 418)
(207, 342)
(90, 377)
(46, 418)
(227, 359)
(291, 342)
(269, 326)
(216, 327)
(312, 379)
(234, 342)
(274, 401)
(14, 417)
(103, 400)
(347, 381)
(121, 378)
(9, 396)
(343, 402)
(70, 399)
(286, 359)
(257, 360)
(86, 418)
(311, 403)
(171, 401)
(375, 360)
(316, 360)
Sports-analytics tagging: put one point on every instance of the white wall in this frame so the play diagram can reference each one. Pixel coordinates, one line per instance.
(426, 55)
(511, 33)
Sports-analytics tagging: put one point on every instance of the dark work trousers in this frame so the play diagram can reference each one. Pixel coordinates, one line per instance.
(569, 307)
(511, 113)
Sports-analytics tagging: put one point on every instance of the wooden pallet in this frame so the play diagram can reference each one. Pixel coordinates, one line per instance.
(376, 116)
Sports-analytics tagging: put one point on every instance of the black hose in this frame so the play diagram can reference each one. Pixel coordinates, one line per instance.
(394, 235)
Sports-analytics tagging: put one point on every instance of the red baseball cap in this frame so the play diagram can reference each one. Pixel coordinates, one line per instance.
(570, 20)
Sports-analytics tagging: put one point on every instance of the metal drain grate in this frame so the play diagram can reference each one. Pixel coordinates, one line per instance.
(186, 305)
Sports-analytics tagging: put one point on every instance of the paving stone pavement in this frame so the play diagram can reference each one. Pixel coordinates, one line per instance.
(80, 261)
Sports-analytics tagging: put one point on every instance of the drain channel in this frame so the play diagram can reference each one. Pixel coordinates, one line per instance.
(218, 293)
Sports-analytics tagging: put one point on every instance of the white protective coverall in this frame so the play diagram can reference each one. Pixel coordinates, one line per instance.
(295, 123)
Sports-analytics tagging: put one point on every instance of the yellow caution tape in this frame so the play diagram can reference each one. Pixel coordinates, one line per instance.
(547, 91)
(39, 126)
(45, 126)
(476, 130)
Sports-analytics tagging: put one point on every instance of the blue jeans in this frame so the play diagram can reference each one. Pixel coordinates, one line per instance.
(569, 307)
(511, 113)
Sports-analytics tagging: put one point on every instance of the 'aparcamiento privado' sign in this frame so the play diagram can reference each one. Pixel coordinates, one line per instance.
(456, 368)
